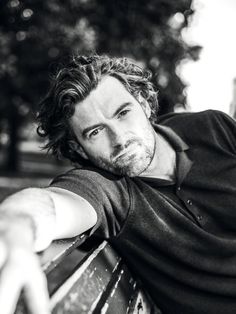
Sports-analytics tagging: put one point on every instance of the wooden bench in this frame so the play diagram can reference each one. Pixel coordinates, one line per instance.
(90, 282)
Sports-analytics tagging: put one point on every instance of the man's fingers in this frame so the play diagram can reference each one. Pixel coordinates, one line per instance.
(22, 271)
(10, 283)
(36, 291)
(10, 287)
(3, 253)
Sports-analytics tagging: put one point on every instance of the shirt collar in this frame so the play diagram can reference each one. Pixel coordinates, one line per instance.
(183, 161)
(175, 140)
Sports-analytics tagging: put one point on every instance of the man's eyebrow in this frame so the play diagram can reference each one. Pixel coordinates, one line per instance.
(121, 108)
(89, 128)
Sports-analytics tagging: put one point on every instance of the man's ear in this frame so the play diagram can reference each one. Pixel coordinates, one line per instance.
(145, 105)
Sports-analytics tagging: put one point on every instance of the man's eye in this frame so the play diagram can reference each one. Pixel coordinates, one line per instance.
(123, 113)
(95, 132)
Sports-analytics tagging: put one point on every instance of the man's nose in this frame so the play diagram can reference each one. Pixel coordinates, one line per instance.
(117, 137)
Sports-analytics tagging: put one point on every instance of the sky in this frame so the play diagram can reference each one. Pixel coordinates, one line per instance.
(210, 79)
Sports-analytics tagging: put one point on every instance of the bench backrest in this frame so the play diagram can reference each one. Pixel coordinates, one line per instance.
(94, 282)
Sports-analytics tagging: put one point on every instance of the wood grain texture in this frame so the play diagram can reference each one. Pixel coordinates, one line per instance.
(84, 288)
(97, 282)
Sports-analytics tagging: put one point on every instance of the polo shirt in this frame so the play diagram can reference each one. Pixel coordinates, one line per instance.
(179, 239)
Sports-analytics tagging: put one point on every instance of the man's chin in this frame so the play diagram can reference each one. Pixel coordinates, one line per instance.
(130, 171)
(131, 167)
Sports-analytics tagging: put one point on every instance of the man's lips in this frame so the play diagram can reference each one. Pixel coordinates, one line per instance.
(127, 152)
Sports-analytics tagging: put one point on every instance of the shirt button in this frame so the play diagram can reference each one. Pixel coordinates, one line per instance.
(199, 217)
(189, 202)
(178, 188)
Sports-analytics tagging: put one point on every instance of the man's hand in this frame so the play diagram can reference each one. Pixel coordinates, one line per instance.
(20, 269)
(29, 221)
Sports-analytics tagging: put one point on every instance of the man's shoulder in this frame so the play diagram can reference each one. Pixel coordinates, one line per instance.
(90, 178)
(189, 117)
(197, 122)
(90, 174)
(210, 126)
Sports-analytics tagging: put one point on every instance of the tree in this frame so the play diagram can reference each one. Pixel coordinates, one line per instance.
(35, 34)
(148, 31)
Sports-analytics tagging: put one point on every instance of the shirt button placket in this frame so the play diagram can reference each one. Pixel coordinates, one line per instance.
(190, 203)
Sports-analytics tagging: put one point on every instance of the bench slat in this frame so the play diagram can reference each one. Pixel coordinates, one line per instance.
(59, 249)
(141, 304)
(97, 282)
(119, 293)
(83, 289)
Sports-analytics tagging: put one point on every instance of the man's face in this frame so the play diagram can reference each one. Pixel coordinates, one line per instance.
(113, 129)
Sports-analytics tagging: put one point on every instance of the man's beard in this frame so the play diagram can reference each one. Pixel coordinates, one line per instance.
(131, 159)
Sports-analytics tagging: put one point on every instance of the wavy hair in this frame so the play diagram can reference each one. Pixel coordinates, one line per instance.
(72, 84)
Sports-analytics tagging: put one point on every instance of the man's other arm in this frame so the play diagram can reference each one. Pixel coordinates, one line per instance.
(29, 221)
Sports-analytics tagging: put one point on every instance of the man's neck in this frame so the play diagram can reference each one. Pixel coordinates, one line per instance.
(163, 164)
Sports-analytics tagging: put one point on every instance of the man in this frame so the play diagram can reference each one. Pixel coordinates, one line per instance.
(163, 194)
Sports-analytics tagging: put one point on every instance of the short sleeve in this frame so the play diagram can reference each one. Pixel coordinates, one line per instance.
(107, 193)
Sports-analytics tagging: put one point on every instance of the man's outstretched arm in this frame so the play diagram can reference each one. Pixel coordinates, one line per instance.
(29, 221)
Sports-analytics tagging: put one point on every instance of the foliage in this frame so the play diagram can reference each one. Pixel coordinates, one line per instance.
(148, 31)
(35, 34)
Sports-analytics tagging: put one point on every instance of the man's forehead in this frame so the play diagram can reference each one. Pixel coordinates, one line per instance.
(110, 84)
(109, 93)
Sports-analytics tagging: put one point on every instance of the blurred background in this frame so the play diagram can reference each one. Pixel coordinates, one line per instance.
(188, 44)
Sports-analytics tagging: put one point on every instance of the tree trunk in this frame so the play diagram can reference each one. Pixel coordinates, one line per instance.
(12, 159)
